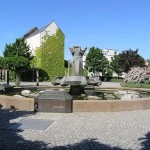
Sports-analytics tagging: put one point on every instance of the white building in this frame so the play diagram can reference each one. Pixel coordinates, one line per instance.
(35, 36)
(109, 54)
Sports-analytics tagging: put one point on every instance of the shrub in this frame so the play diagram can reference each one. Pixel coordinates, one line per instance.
(138, 75)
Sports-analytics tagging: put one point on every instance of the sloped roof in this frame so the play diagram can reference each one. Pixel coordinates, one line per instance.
(35, 31)
(31, 31)
(43, 28)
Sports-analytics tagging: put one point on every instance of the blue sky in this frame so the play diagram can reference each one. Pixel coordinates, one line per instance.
(112, 24)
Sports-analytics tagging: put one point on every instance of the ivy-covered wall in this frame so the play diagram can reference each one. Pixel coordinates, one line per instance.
(50, 56)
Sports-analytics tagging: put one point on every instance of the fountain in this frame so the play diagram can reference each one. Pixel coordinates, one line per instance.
(78, 83)
(60, 101)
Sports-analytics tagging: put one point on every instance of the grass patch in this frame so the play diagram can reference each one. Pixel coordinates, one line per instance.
(116, 80)
(135, 85)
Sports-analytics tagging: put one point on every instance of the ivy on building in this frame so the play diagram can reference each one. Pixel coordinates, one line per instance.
(50, 56)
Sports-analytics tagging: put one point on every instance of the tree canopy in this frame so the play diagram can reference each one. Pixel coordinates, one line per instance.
(16, 57)
(127, 60)
(96, 61)
(18, 48)
(115, 65)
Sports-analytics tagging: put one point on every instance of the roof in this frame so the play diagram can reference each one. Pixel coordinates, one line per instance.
(33, 32)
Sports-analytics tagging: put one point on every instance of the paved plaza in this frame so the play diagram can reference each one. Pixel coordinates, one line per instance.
(103, 85)
(77, 131)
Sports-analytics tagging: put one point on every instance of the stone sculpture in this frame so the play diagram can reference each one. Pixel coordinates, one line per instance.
(76, 78)
(78, 83)
(77, 64)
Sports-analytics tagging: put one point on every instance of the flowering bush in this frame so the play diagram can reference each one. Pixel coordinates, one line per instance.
(138, 75)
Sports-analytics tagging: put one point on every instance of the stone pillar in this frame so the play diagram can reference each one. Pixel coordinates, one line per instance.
(7, 76)
(3, 75)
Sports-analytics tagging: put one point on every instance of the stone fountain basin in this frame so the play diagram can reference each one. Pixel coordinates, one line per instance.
(83, 105)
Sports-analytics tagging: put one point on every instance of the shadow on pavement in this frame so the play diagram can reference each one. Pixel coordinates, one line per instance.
(145, 142)
(87, 144)
(10, 139)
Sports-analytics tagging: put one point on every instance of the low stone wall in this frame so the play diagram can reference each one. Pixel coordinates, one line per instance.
(81, 105)
(110, 105)
(17, 103)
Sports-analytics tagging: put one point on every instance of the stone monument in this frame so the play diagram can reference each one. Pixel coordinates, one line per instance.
(76, 78)
(78, 83)
(77, 65)
(53, 101)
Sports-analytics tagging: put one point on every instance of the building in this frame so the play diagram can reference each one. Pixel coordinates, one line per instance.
(34, 36)
(109, 54)
(48, 60)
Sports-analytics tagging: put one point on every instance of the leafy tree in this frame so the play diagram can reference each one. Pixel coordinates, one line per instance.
(115, 65)
(18, 48)
(126, 60)
(96, 61)
(16, 57)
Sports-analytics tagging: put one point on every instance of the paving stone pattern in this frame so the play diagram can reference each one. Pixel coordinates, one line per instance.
(78, 131)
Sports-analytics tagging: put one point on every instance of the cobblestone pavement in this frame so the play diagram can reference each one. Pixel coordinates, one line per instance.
(78, 131)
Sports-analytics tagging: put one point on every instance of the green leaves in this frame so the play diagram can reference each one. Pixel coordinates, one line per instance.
(127, 60)
(116, 67)
(96, 61)
(18, 48)
(14, 62)
(16, 57)
(50, 56)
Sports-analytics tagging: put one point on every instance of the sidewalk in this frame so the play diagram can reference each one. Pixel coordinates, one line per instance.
(77, 131)
(104, 84)
(110, 84)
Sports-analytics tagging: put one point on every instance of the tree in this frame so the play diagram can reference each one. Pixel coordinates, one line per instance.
(127, 60)
(96, 61)
(16, 57)
(18, 48)
(115, 65)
